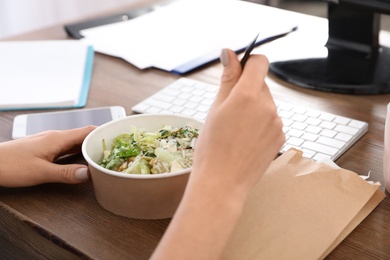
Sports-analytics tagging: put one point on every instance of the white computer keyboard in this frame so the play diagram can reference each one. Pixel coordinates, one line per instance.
(318, 134)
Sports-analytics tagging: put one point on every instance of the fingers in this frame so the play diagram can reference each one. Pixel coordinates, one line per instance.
(75, 136)
(231, 73)
(252, 77)
(68, 141)
(45, 172)
(70, 173)
(255, 72)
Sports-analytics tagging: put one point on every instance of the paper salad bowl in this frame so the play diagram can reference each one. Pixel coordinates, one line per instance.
(141, 196)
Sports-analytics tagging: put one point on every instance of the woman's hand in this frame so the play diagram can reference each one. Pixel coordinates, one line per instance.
(243, 132)
(29, 161)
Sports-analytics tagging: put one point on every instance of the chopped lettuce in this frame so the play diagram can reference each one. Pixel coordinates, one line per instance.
(140, 152)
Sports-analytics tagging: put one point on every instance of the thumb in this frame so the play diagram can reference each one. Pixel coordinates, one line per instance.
(70, 173)
(231, 73)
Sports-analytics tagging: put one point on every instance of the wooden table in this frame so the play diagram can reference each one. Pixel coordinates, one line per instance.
(58, 221)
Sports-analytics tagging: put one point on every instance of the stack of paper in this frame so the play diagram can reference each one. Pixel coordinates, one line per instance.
(186, 34)
(44, 74)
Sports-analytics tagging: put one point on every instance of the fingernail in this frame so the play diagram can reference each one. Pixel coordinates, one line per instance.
(82, 174)
(224, 57)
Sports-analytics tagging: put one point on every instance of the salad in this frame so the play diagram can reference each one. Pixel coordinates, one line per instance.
(139, 152)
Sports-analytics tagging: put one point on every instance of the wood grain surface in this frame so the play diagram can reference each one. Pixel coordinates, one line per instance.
(57, 221)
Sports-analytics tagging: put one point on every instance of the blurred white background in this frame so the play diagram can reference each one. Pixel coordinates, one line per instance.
(19, 16)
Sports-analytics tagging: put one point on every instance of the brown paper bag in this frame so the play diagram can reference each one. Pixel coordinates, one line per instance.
(301, 209)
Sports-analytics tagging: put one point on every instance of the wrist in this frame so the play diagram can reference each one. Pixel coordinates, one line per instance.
(224, 186)
(208, 191)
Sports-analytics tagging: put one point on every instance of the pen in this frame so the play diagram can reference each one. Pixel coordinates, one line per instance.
(248, 51)
(254, 44)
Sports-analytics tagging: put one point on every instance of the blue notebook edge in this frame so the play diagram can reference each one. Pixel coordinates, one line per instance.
(213, 56)
(206, 59)
(87, 78)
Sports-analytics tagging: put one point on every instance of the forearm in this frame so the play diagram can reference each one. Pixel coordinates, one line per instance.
(203, 222)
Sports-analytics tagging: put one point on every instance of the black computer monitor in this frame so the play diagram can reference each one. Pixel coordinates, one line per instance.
(355, 63)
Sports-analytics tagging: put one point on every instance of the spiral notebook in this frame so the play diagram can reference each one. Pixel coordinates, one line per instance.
(44, 74)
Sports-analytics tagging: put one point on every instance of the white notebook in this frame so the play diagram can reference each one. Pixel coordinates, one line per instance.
(44, 74)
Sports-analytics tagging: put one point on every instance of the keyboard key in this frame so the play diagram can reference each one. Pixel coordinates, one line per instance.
(287, 122)
(165, 98)
(328, 133)
(313, 129)
(346, 129)
(313, 113)
(330, 141)
(309, 136)
(295, 132)
(321, 156)
(203, 108)
(298, 125)
(343, 137)
(189, 112)
(297, 142)
(299, 118)
(357, 124)
(320, 148)
(201, 115)
(327, 117)
(313, 121)
(285, 114)
(341, 120)
(190, 104)
(177, 109)
(170, 92)
(184, 95)
(159, 104)
(327, 125)
(179, 102)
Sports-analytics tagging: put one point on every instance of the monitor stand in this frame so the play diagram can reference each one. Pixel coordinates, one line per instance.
(355, 63)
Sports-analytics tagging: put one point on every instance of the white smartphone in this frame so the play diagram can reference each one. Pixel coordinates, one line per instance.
(29, 124)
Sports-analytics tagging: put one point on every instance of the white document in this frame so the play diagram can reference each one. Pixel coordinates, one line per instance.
(44, 74)
(187, 30)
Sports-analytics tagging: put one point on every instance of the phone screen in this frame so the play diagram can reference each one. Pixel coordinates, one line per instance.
(61, 121)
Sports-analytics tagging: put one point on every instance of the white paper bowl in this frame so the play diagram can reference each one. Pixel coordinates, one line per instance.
(134, 195)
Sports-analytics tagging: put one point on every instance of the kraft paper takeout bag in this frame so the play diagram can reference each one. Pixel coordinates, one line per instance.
(301, 209)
